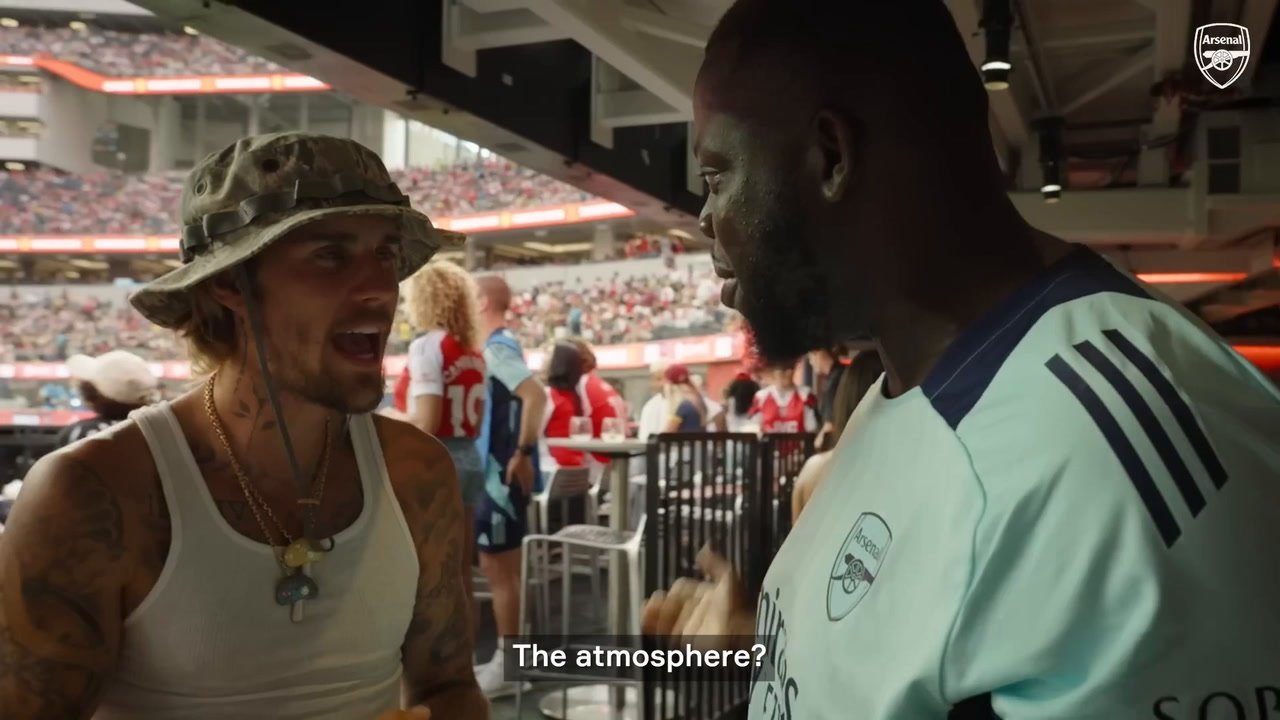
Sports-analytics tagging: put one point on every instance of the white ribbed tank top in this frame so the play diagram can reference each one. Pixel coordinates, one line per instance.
(210, 643)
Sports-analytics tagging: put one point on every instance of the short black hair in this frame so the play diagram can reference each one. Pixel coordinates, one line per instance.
(906, 52)
(565, 368)
(742, 391)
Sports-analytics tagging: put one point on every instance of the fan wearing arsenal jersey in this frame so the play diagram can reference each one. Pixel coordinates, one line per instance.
(600, 401)
(783, 407)
(565, 371)
(598, 397)
(445, 393)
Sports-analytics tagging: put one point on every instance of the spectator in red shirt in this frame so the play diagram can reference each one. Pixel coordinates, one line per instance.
(564, 372)
(599, 398)
(400, 395)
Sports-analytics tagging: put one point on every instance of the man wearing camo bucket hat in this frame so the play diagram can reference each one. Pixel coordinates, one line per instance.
(263, 546)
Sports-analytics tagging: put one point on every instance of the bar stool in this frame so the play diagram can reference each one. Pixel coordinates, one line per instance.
(597, 541)
(480, 586)
(565, 484)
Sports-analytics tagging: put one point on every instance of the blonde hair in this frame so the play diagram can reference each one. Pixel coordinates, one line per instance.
(442, 296)
(209, 329)
(658, 369)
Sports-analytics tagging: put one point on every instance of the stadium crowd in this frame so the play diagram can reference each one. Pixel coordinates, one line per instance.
(491, 184)
(622, 310)
(43, 200)
(47, 324)
(130, 54)
(48, 201)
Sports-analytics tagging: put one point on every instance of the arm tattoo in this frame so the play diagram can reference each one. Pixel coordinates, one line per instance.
(426, 499)
(77, 551)
(438, 643)
(438, 615)
(101, 521)
(59, 601)
(72, 612)
(38, 687)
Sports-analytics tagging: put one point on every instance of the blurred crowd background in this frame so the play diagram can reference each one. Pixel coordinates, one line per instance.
(50, 324)
(129, 54)
(44, 200)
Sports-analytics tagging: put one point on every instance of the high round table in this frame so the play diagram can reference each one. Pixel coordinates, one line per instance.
(605, 701)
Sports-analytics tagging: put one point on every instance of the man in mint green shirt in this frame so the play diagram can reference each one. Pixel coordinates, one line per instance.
(1060, 500)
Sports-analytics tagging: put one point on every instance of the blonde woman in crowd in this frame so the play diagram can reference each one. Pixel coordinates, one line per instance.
(446, 388)
(686, 411)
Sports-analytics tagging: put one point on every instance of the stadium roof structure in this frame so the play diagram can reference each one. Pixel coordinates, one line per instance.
(603, 87)
(240, 84)
(598, 93)
(116, 9)
(123, 16)
(514, 220)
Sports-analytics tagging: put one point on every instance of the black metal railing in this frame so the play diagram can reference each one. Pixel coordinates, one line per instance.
(731, 491)
(782, 457)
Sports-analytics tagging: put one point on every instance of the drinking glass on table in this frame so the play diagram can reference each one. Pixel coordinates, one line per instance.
(580, 428)
(613, 430)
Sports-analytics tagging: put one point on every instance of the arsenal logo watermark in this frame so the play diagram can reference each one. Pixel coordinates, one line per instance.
(857, 565)
(1221, 51)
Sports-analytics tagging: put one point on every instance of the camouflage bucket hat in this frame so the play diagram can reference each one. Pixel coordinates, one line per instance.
(237, 202)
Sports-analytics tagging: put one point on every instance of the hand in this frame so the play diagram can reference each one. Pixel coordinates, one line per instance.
(419, 713)
(713, 612)
(520, 470)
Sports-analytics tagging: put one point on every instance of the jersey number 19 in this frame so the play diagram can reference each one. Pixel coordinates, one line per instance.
(466, 403)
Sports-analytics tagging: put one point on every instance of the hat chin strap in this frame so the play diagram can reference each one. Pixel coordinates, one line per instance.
(300, 480)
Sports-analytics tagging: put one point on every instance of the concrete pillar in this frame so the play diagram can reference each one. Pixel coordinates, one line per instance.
(366, 124)
(198, 143)
(120, 268)
(472, 255)
(604, 243)
(166, 137)
(1153, 163)
(254, 121)
(304, 112)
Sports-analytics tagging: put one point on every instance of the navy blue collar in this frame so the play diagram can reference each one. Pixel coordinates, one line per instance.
(970, 363)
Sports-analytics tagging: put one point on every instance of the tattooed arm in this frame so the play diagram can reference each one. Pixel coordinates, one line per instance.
(438, 646)
(62, 571)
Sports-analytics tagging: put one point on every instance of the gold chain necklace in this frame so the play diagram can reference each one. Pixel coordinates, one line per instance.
(295, 554)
